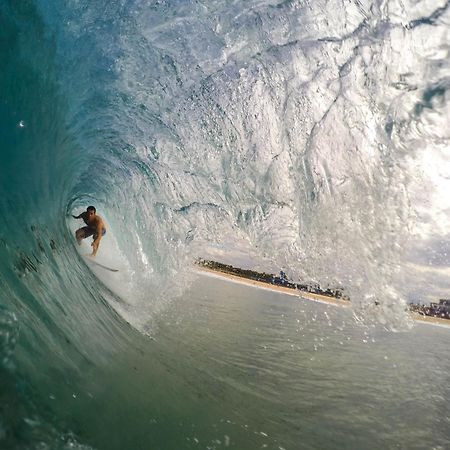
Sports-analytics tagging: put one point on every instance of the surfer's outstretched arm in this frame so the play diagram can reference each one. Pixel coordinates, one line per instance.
(77, 217)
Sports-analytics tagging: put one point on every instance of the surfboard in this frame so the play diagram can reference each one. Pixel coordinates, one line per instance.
(95, 263)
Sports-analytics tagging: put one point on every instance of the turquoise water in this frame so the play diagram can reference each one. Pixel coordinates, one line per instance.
(236, 367)
(268, 133)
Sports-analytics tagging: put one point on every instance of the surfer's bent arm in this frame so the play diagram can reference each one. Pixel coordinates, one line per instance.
(80, 216)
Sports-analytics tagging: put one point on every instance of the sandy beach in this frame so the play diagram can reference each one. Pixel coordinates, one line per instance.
(273, 287)
(308, 295)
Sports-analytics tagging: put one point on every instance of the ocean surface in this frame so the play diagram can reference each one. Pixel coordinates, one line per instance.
(305, 136)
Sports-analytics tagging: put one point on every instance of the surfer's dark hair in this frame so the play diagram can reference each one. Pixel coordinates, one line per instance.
(91, 208)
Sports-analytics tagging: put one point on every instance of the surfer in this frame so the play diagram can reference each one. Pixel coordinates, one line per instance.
(95, 227)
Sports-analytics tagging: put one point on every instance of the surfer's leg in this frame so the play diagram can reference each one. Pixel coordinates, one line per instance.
(79, 235)
(96, 235)
(83, 233)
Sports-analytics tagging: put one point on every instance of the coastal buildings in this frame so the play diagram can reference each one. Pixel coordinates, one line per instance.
(440, 310)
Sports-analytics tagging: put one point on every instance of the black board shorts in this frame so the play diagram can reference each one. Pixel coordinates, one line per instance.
(88, 231)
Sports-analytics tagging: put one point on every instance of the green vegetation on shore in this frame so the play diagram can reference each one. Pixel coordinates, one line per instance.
(278, 280)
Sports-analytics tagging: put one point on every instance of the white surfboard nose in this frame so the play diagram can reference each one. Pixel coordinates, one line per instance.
(95, 263)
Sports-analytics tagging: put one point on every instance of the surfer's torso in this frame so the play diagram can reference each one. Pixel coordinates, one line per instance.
(93, 223)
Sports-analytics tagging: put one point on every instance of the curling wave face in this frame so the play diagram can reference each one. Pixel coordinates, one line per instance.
(279, 124)
(294, 128)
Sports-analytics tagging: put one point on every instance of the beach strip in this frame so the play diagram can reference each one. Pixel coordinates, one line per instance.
(431, 320)
(308, 295)
(275, 288)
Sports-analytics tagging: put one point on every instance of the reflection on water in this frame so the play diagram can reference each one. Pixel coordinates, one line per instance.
(232, 366)
(272, 370)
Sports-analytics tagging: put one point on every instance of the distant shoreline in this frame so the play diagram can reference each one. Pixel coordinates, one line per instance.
(273, 287)
(325, 299)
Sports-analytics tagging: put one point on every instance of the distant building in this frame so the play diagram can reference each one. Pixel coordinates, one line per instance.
(441, 309)
(282, 279)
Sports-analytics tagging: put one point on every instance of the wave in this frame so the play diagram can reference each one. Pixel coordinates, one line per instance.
(273, 128)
